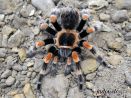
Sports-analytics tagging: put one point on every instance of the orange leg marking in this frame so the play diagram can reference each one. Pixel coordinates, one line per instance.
(75, 56)
(39, 43)
(85, 17)
(87, 45)
(47, 58)
(90, 30)
(53, 18)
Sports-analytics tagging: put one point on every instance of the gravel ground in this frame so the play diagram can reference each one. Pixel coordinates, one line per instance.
(19, 30)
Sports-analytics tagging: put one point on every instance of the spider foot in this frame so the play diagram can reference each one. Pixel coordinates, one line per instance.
(68, 70)
(53, 70)
(38, 86)
(80, 82)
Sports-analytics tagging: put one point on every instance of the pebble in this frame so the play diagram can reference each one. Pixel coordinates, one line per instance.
(2, 16)
(123, 4)
(38, 64)
(19, 96)
(128, 36)
(6, 73)
(90, 76)
(28, 91)
(27, 10)
(22, 54)
(119, 16)
(30, 64)
(115, 59)
(89, 85)
(128, 78)
(17, 67)
(128, 27)
(10, 81)
(104, 17)
(3, 52)
(29, 74)
(16, 39)
(7, 30)
(89, 65)
(128, 50)
(45, 6)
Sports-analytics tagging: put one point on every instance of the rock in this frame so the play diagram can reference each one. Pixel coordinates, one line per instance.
(29, 74)
(19, 96)
(27, 10)
(116, 44)
(128, 78)
(17, 67)
(6, 73)
(89, 85)
(128, 27)
(36, 30)
(3, 52)
(1, 38)
(38, 64)
(119, 16)
(5, 41)
(75, 93)
(128, 50)
(11, 61)
(90, 76)
(16, 39)
(128, 36)
(89, 65)
(7, 30)
(10, 81)
(104, 17)
(2, 16)
(28, 91)
(98, 4)
(30, 64)
(115, 59)
(51, 88)
(12, 93)
(45, 6)
(22, 54)
(123, 4)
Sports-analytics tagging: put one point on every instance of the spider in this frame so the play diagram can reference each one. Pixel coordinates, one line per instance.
(67, 41)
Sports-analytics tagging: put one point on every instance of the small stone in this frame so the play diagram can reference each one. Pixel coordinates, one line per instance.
(128, 50)
(89, 85)
(16, 39)
(19, 96)
(6, 73)
(90, 76)
(3, 52)
(22, 54)
(12, 93)
(115, 59)
(10, 81)
(75, 93)
(2, 16)
(28, 91)
(89, 65)
(45, 6)
(7, 30)
(17, 67)
(36, 30)
(120, 16)
(128, 78)
(128, 36)
(104, 17)
(30, 64)
(5, 41)
(38, 64)
(27, 11)
(29, 74)
(128, 27)
(123, 4)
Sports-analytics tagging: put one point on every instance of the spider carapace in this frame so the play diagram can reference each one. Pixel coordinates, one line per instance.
(67, 41)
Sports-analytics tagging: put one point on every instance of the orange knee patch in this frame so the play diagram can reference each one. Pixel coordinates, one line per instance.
(85, 17)
(39, 43)
(69, 61)
(90, 30)
(87, 45)
(53, 18)
(47, 58)
(75, 56)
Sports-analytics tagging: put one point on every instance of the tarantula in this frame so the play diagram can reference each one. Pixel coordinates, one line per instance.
(67, 41)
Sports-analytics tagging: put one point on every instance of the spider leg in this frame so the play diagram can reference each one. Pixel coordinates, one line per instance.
(51, 52)
(82, 22)
(93, 51)
(79, 71)
(68, 67)
(86, 32)
(53, 19)
(44, 26)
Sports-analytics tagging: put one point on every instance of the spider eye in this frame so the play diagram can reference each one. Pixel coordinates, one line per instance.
(66, 39)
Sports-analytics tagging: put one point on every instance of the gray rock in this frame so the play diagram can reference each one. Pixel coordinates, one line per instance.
(97, 4)
(17, 67)
(119, 16)
(29, 74)
(128, 78)
(38, 64)
(6, 73)
(3, 52)
(11, 61)
(10, 81)
(5, 41)
(14, 73)
(128, 27)
(2, 16)
(75, 93)
(16, 39)
(22, 54)
(90, 76)
(7, 30)
(1, 38)
(128, 50)
(104, 17)
(128, 36)
(45, 6)
(51, 88)
(123, 4)
(27, 10)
